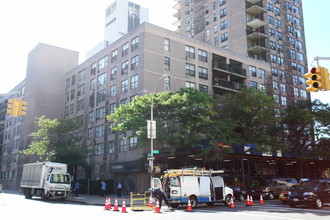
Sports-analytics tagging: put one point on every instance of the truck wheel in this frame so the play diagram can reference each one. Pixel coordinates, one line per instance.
(318, 203)
(227, 200)
(28, 195)
(193, 201)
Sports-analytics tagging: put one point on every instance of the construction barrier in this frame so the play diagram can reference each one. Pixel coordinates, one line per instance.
(141, 202)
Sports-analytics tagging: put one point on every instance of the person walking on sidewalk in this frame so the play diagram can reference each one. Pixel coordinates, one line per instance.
(76, 189)
(119, 188)
(103, 188)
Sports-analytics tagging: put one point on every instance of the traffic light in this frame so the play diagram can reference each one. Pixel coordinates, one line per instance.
(325, 78)
(314, 79)
(22, 107)
(12, 107)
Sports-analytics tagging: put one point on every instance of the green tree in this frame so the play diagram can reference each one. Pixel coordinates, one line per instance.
(252, 112)
(308, 126)
(54, 141)
(183, 119)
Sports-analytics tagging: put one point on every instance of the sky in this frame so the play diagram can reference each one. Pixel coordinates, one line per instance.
(78, 25)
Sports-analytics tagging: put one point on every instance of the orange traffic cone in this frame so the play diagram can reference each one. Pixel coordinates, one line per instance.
(232, 205)
(251, 201)
(261, 200)
(150, 201)
(115, 208)
(189, 208)
(247, 203)
(123, 207)
(107, 205)
(157, 210)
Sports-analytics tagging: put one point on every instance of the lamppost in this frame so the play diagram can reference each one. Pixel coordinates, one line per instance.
(152, 129)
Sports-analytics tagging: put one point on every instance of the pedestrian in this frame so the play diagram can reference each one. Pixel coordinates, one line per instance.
(103, 188)
(119, 188)
(158, 194)
(76, 189)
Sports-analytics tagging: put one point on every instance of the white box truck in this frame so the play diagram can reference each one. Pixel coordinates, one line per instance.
(198, 185)
(45, 179)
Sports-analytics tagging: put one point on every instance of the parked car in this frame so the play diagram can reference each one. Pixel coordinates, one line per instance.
(311, 192)
(0, 188)
(239, 194)
(272, 187)
(284, 195)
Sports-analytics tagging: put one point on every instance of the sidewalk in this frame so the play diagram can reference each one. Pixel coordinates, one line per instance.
(98, 200)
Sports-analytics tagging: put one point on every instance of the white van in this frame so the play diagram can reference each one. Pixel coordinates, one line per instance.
(199, 185)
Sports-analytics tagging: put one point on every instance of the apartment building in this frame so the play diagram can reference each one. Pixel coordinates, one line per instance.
(268, 30)
(131, 67)
(43, 90)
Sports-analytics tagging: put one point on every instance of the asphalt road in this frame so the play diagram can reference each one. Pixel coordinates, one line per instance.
(15, 206)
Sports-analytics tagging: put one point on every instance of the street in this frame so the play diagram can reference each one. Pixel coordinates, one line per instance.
(17, 207)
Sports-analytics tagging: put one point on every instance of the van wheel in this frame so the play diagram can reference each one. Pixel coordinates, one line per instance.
(227, 200)
(193, 201)
(318, 203)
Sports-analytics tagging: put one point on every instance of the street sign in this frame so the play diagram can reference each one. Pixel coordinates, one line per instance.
(153, 129)
(154, 152)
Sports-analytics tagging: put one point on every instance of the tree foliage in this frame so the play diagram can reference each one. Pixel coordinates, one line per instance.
(54, 141)
(308, 126)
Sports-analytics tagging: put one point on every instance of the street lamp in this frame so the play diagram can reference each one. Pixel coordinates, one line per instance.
(151, 126)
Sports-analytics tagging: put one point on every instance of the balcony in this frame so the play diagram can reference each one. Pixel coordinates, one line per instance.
(177, 14)
(255, 10)
(227, 85)
(256, 35)
(253, 1)
(256, 23)
(177, 6)
(230, 69)
(257, 49)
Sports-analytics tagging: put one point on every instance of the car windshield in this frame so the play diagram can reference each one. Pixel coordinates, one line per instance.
(308, 185)
(60, 178)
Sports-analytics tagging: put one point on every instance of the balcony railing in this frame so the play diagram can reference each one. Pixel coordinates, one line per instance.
(218, 82)
(229, 68)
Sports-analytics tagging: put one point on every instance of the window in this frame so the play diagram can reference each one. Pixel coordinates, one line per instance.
(72, 94)
(114, 73)
(300, 56)
(167, 83)
(273, 58)
(99, 149)
(101, 79)
(222, 2)
(269, 7)
(166, 63)
(81, 90)
(294, 65)
(114, 56)
(202, 72)
(190, 85)
(166, 44)
(124, 86)
(223, 25)
(261, 74)
(134, 81)
(122, 145)
(135, 43)
(289, 17)
(92, 84)
(282, 87)
(271, 32)
(280, 48)
(283, 100)
(113, 90)
(81, 75)
(270, 19)
(301, 68)
(277, 11)
(90, 134)
(295, 91)
(99, 131)
(100, 113)
(112, 108)
(125, 49)
(278, 23)
(288, 6)
(224, 37)
(190, 69)
(281, 74)
(303, 94)
(272, 45)
(202, 55)
(100, 96)
(91, 117)
(299, 45)
(103, 62)
(111, 145)
(280, 61)
(123, 101)
(298, 33)
(207, 21)
(253, 84)
(203, 88)
(296, 21)
(134, 62)
(73, 80)
(295, 79)
(124, 67)
(215, 17)
(253, 71)
(132, 143)
(190, 52)
(278, 35)
(296, 10)
(215, 29)
(223, 12)
(93, 68)
(80, 105)
(276, 98)
(275, 85)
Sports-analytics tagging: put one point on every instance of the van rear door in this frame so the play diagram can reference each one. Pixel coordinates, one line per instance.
(205, 189)
(218, 186)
